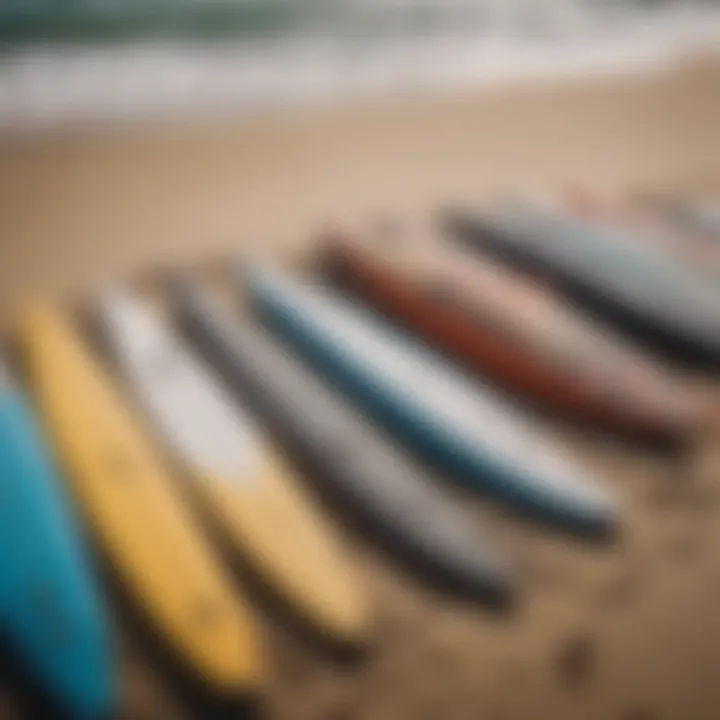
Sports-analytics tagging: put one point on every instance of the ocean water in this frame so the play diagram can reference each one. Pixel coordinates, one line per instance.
(116, 60)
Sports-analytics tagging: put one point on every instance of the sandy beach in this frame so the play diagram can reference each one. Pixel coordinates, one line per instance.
(628, 633)
(81, 206)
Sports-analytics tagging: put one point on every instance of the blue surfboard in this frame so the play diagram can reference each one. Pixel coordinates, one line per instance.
(50, 608)
(442, 414)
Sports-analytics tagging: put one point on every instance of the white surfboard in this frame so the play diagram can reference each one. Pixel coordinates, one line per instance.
(239, 478)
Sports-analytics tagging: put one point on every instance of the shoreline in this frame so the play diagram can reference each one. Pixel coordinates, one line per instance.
(126, 82)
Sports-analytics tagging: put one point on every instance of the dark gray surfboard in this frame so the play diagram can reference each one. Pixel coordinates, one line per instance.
(636, 287)
(350, 458)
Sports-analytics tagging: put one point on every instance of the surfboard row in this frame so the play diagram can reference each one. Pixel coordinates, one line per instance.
(167, 432)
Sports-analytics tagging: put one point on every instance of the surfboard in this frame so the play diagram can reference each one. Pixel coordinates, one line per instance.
(699, 216)
(398, 497)
(637, 287)
(691, 243)
(51, 609)
(513, 330)
(451, 420)
(133, 505)
(265, 514)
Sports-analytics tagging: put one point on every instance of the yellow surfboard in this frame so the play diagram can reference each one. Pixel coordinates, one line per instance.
(137, 514)
(253, 496)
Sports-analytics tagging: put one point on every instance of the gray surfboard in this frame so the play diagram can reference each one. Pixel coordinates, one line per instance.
(348, 456)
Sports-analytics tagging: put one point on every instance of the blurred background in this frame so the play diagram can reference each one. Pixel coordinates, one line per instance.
(100, 59)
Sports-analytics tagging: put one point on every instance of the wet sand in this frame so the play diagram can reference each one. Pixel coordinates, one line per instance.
(624, 633)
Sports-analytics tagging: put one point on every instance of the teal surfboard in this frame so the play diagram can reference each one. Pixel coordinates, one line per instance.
(51, 611)
(442, 414)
